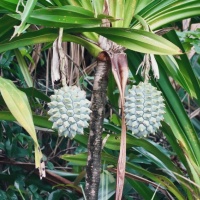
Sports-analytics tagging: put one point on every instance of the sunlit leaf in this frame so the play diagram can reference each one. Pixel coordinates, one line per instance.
(65, 16)
(159, 13)
(137, 40)
(46, 35)
(18, 105)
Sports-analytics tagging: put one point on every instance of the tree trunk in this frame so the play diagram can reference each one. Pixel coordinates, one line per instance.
(93, 168)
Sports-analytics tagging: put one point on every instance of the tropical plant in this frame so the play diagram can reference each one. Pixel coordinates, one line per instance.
(124, 38)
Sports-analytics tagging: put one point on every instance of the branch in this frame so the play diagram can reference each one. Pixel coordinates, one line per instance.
(93, 168)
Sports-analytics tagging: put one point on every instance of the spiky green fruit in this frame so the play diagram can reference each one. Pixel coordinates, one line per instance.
(69, 111)
(144, 109)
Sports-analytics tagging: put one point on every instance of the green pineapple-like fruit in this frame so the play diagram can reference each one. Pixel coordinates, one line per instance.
(69, 111)
(144, 109)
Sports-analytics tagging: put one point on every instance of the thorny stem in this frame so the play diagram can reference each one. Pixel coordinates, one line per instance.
(93, 168)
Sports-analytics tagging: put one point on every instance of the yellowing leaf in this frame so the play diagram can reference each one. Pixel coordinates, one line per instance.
(18, 105)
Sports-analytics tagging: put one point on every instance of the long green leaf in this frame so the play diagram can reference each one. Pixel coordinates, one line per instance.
(184, 121)
(87, 4)
(137, 40)
(140, 5)
(185, 67)
(117, 10)
(132, 39)
(9, 6)
(6, 24)
(174, 13)
(18, 105)
(130, 6)
(65, 16)
(159, 13)
(113, 142)
(81, 159)
(172, 68)
(142, 189)
(98, 6)
(34, 93)
(24, 68)
(74, 3)
(39, 121)
(46, 35)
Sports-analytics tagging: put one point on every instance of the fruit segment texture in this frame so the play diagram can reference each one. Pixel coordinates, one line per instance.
(144, 109)
(69, 111)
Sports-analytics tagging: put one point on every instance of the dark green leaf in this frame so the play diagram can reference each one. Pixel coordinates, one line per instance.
(33, 92)
(56, 195)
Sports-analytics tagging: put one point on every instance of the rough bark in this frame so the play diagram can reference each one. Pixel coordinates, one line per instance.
(93, 168)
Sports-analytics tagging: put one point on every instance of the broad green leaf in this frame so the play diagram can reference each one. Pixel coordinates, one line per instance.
(69, 11)
(60, 20)
(132, 39)
(65, 16)
(24, 68)
(46, 35)
(137, 40)
(18, 105)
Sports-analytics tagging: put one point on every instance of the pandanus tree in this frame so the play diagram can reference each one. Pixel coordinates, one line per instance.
(125, 38)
